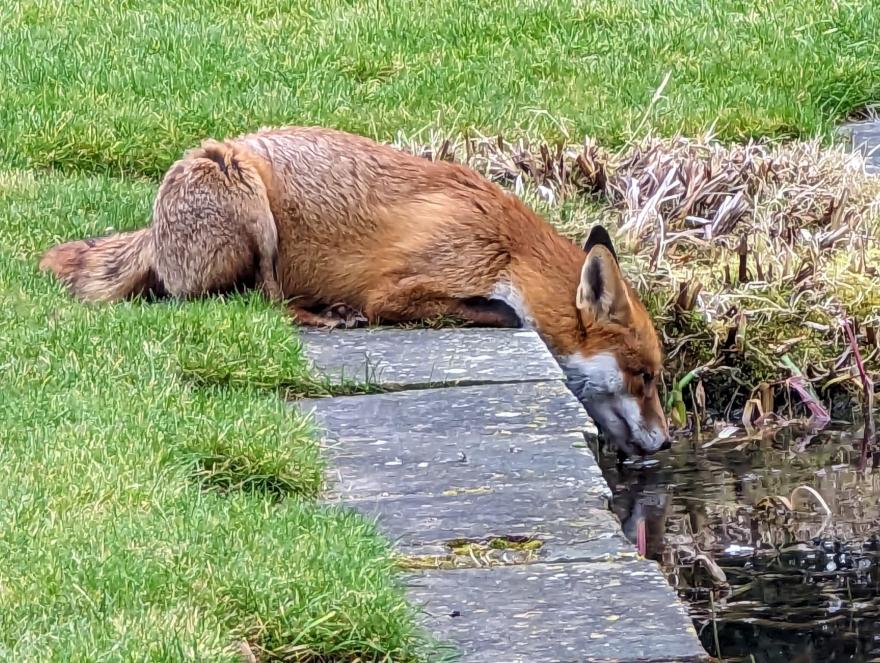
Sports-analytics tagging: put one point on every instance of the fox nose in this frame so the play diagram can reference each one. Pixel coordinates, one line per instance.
(667, 444)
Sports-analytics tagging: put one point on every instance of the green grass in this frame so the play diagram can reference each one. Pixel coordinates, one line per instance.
(158, 496)
(126, 86)
(149, 511)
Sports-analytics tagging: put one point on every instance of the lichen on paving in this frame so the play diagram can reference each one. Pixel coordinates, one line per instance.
(746, 255)
(467, 553)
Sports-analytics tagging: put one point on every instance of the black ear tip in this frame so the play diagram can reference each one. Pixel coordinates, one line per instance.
(599, 237)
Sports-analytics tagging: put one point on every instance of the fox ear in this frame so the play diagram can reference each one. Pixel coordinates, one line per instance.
(600, 237)
(602, 292)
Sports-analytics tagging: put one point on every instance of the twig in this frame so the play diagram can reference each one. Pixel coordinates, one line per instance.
(868, 386)
(819, 416)
(657, 94)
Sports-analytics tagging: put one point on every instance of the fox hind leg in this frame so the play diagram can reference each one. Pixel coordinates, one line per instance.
(213, 226)
(266, 239)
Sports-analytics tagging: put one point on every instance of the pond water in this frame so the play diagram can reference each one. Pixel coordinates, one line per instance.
(763, 582)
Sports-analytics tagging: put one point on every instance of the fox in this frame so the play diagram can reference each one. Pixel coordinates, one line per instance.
(344, 231)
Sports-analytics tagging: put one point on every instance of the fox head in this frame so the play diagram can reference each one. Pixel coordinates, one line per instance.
(616, 367)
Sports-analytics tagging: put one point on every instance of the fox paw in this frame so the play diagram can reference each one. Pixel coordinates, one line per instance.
(331, 317)
(343, 315)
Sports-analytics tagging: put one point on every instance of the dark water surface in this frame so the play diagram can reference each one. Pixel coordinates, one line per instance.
(763, 582)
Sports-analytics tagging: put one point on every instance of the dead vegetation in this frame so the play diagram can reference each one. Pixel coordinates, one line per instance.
(468, 554)
(750, 257)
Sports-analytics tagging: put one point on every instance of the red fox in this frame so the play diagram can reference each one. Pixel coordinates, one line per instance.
(344, 229)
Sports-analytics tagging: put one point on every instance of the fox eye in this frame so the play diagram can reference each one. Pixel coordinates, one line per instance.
(647, 377)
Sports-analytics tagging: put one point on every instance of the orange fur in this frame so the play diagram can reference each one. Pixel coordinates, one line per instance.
(316, 217)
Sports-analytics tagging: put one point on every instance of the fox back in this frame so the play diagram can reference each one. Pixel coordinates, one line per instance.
(319, 217)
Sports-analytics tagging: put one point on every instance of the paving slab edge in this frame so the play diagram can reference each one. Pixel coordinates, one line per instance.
(676, 606)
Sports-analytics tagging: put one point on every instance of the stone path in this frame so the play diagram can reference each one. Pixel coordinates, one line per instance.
(475, 465)
(865, 136)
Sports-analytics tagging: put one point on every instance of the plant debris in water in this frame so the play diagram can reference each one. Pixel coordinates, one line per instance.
(748, 256)
(773, 539)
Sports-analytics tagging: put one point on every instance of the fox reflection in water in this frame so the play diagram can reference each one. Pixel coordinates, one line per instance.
(762, 585)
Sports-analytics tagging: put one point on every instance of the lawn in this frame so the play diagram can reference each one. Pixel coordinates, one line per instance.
(159, 500)
(122, 87)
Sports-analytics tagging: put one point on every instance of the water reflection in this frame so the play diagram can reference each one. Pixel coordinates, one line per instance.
(763, 582)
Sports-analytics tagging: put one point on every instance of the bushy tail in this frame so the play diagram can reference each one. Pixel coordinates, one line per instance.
(106, 268)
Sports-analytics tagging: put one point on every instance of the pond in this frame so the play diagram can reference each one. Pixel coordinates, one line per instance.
(763, 582)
